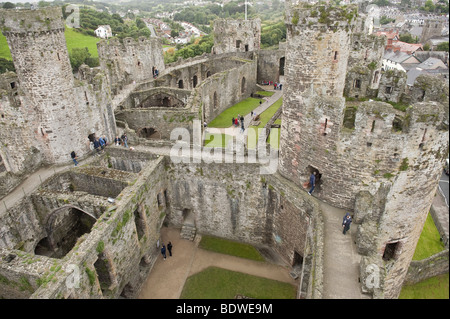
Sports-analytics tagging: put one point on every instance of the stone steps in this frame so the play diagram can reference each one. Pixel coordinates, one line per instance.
(188, 232)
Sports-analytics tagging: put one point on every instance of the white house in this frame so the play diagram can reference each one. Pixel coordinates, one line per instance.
(103, 31)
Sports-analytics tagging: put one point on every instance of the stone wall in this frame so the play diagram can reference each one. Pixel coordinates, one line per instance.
(420, 270)
(129, 60)
(269, 65)
(236, 35)
(115, 257)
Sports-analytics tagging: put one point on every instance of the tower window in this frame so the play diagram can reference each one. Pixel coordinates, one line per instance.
(390, 251)
(335, 55)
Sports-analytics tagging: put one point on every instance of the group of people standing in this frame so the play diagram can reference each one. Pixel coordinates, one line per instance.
(121, 141)
(239, 120)
(277, 86)
(98, 144)
(169, 248)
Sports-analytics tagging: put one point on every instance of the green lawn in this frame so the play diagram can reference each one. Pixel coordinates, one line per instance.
(217, 283)
(217, 140)
(243, 108)
(429, 242)
(436, 287)
(4, 49)
(75, 39)
(265, 117)
(432, 288)
(229, 247)
(265, 93)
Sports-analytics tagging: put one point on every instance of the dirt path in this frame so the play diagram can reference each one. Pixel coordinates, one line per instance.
(167, 278)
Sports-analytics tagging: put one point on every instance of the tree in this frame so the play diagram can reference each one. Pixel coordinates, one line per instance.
(442, 47)
(8, 5)
(6, 65)
(78, 56)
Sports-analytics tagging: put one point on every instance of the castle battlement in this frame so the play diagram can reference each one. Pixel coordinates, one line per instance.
(24, 21)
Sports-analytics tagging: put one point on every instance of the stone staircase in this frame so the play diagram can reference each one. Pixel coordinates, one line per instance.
(188, 232)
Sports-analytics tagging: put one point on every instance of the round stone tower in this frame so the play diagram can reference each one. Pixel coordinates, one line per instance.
(380, 163)
(38, 47)
(318, 41)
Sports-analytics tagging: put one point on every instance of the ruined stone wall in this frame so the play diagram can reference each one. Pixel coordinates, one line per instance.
(227, 200)
(392, 86)
(115, 257)
(364, 65)
(129, 60)
(93, 92)
(222, 90)
(269, 65)
(236, 35)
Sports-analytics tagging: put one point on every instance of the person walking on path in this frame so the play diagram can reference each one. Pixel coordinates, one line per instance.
(97, 146)
(74, 158)
(169, 248)
(312, 182)
(346, 223)
(163, 251)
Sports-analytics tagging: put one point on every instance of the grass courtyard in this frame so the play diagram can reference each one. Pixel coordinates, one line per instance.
(218, 283)
(223, 120)
(436, 287)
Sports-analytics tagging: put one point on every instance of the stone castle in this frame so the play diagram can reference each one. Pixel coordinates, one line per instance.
(104, 217)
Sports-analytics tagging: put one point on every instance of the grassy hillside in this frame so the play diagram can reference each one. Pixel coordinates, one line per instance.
(4, 49)
(75, 39)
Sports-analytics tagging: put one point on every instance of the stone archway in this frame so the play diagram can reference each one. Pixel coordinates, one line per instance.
(63, 227)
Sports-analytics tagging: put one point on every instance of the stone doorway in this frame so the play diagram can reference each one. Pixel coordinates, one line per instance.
(188, 217)
(281, 68)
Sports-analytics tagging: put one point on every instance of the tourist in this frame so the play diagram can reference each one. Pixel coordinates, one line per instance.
(105, 140)
(117, 141)
(312, 182)
(97, 146)
(346, 223)
(163, 251)
(102, 142)
(124, 139)
(74, 158)
(232, 121)
(169, 248)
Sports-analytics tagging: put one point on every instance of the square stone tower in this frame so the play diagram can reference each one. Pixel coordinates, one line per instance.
(236, 35)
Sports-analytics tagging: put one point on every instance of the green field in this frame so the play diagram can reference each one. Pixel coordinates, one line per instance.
(73, 40)
(4, 49)
(265, 117)
(436, 287)
(229, 247)
(432, 288)
(217, 140)
(218, 283)
(429, 242)
(244, 107)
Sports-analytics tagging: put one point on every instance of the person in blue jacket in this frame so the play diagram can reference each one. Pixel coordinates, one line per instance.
(312, 182)
(347, 220)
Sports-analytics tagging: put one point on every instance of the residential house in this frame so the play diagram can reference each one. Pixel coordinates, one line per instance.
(103, 31)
